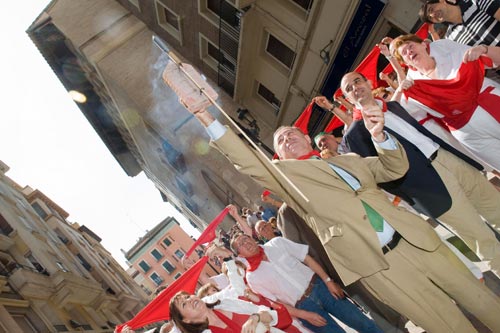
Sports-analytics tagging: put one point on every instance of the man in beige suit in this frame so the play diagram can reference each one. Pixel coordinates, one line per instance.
(398, 257)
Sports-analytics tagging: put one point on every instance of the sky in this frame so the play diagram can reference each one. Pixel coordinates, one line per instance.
(41, 136)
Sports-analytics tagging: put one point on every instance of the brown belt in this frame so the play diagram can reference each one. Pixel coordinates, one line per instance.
(309, 289)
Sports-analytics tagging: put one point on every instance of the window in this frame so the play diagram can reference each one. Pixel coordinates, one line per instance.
(156, 278)
(5, 228)
(178, 275)
(168, 267)
(179, 254)
(61, 266)
(269, 96)
(304, 4)
(192, 206)
(84, 262)
(39, 210)
(225, 11)
(280, 51)
(167, 242)
(35, 263)
(193, 224)
(156, 254)
(169, 20)
(213, 57)
(144, 265)
(61, 236)
(174, 157)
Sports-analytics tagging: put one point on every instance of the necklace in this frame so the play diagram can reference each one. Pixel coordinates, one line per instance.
(433, 69)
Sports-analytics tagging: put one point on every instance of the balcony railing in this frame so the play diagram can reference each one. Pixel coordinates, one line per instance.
(229, 39)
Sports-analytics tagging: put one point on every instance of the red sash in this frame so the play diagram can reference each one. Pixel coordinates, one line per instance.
(457, 99)
(234, 324)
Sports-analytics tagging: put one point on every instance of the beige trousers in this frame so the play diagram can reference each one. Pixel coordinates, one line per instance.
(418, 283)
(472, 196)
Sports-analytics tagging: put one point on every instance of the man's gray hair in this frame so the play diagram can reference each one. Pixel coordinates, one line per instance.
(275, 146)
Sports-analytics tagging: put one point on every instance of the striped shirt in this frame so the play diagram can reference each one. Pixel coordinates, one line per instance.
(479, 25)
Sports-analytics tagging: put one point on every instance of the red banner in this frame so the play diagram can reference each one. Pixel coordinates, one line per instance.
(208, 234)
(158, 309)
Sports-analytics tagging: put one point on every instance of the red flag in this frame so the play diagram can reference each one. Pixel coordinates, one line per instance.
(423, 31)
(303, 119)
(333, 124)
(338, 93)
(208, 234)
(158, 309)
(368, 67)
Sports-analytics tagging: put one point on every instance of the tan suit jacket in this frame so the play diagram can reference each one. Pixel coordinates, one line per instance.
(333, 210)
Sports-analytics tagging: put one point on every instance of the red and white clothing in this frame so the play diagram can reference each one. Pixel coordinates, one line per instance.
(438, 128)
(241, 311)
(283, 276)
(232, 299)
(481, 132)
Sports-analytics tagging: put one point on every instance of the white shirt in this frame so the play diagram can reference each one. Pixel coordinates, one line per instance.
(284, 277)
(426, 145)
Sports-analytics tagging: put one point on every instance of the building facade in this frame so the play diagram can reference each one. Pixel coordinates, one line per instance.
(266, 59)
(55, 276)
(156, 260)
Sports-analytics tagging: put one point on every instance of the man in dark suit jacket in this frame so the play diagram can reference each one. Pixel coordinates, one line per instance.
(441, 182)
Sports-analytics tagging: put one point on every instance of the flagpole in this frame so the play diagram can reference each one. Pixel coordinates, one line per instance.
(162, 46)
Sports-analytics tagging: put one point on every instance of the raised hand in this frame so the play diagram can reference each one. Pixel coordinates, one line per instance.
(374, 122)
(474, 53)
(233, 211)
(323, 102)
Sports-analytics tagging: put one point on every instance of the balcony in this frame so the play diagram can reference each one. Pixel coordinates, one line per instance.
(127, 302)
(71, 288)
(31, 284)
(105, 301)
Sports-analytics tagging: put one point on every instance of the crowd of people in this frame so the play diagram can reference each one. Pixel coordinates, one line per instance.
(347, 219)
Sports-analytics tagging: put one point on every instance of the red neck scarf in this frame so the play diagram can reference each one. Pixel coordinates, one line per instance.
(457, 99)
(309, 155)
(356, 114)
(255, 260)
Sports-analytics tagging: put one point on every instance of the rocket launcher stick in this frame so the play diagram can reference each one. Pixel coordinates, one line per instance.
(195, 94)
